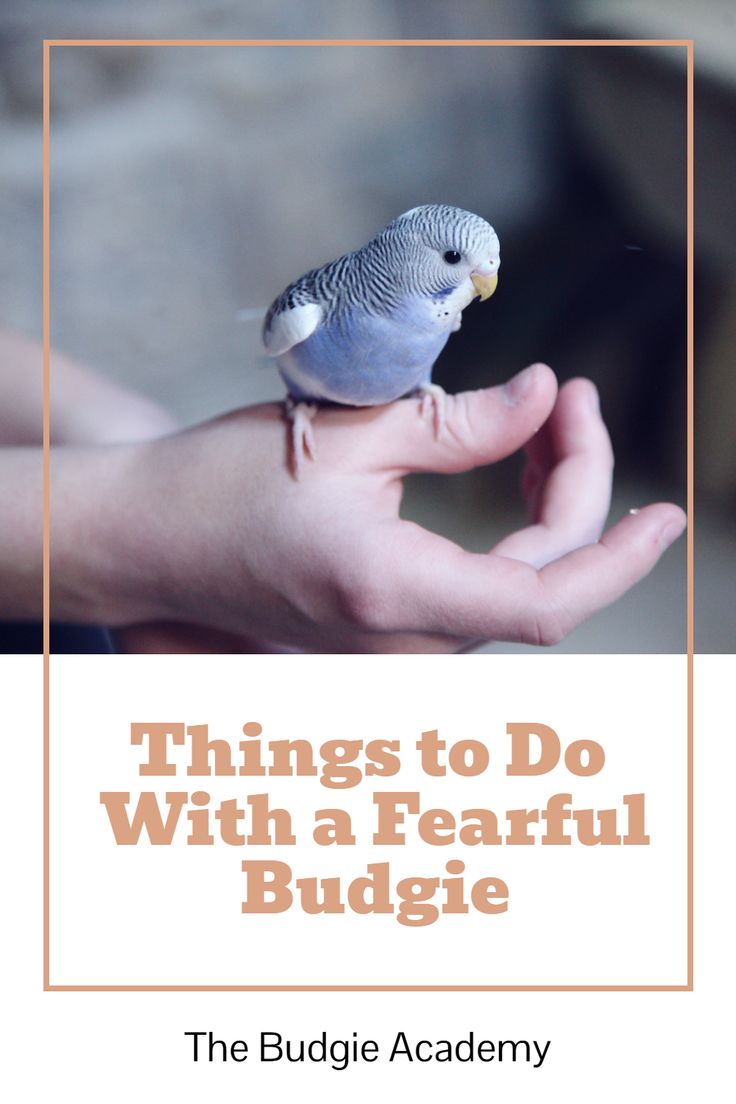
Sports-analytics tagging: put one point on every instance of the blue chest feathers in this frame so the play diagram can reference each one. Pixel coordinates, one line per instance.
(362, 360)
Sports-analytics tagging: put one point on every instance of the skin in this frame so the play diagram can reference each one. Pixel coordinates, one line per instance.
(201, 540)
(85, 406)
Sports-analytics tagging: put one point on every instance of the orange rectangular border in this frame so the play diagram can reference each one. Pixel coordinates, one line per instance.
(689, 45)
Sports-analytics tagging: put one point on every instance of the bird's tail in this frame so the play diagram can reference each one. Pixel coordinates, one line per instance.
(251, 314)
(256, 314)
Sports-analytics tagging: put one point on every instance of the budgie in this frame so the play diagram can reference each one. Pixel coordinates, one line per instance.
(367, 328)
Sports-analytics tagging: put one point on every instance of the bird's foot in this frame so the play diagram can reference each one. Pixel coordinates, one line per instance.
(303, 444)
(432, 403)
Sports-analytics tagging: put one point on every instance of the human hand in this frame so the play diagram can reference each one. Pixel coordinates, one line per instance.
(230, 553)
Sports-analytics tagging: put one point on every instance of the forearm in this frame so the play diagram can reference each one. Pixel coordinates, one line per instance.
(102, 560)
(94, 579)
(138, 532)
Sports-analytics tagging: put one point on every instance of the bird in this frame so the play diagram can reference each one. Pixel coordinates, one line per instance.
(367, 328)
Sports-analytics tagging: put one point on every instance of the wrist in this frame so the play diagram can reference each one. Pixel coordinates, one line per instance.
(102, 563)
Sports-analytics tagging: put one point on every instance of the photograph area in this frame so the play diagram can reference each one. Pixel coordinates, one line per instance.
(191, 185)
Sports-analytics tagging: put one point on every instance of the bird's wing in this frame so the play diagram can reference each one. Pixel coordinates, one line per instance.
(285, 328)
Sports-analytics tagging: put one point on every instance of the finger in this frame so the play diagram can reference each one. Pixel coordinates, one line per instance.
(540, 457)
(553, 441)
(574, 496)
(432, 585)
(592, 577)
(481, 426)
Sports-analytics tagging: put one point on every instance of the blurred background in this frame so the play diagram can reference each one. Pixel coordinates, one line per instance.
(189, 183)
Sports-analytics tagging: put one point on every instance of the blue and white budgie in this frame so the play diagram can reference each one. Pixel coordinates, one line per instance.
(367, 328)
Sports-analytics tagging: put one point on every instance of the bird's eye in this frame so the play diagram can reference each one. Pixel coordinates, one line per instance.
(452, 256)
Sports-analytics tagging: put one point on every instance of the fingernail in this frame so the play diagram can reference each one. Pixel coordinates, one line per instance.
(518, 386)
(595, 400)
(671, 532)
(634, 510)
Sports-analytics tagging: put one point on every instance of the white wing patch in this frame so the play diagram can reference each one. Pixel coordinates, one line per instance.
(291, 327)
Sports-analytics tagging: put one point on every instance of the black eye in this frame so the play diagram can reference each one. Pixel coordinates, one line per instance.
(452, 256)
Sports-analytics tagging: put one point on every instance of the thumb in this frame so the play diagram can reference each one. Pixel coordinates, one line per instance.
(480, 426)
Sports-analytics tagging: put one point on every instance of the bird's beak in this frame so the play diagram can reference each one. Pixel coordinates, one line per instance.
(484, 285)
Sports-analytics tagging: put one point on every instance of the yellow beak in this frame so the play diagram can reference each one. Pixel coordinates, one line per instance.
(484, 285)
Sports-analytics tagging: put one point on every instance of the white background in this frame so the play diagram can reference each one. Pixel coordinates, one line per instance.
(172, 914)
(671, 1043)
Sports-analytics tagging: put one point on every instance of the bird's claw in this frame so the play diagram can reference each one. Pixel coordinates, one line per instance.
(303, 443)
(432, 403)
